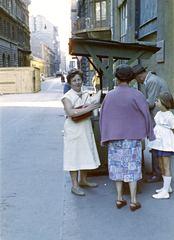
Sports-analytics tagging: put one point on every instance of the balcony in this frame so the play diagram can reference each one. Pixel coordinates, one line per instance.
(87, 28)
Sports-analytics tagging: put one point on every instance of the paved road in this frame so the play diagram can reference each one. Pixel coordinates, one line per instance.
(32, 180)
(36, 201)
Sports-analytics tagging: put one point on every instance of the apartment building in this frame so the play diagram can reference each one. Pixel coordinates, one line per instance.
(131, 21)
(14, 33)
(46, 33)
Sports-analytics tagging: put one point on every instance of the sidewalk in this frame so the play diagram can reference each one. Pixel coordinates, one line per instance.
(95, 215)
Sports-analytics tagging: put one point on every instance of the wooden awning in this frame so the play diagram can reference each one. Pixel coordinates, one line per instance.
(98, 49)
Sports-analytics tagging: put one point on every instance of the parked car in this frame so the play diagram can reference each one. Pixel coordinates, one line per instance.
(59, 74)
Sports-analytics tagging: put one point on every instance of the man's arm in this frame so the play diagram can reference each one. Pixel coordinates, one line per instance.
(151, 93)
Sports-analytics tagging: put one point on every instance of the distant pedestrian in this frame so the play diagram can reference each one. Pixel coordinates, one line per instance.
(42, 77)
(80, 151)
(164, 143)
(96, 82)
(66, 88)
(124, 122)
(154, 85)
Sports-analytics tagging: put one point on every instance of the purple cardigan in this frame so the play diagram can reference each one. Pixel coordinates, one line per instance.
(125, 115)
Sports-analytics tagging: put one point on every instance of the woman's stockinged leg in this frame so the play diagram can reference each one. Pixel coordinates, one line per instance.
(83, 180)
(119, 188)
(83, 176)
(74, 178)
(133, 191)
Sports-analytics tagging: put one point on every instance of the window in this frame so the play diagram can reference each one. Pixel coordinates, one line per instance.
(100, 9)
(103, 10)
(8, 3)
(4, 60)
(3, 28)
(12, 5)
(0, 26)
(13, 33)
(9, 61)
(14, 59)
(97, 11)
(123, 22)
(8, 31)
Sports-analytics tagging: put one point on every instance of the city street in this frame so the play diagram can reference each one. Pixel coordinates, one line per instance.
(36, 199)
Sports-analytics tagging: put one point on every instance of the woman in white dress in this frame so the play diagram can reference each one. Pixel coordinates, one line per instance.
(164, 143)
(80, 151)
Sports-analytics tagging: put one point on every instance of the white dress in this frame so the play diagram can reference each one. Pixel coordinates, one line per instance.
(80, 151)
(163, 132)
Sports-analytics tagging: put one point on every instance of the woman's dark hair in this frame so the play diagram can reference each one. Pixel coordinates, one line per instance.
(124, 73)
(166, 100)
(72, 73)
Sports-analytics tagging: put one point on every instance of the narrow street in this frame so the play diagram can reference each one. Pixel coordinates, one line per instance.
(36, 199)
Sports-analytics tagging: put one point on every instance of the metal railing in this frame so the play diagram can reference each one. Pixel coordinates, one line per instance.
(86, 24)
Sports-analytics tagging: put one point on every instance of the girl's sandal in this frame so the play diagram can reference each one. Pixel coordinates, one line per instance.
(134, 206)
(120, 203)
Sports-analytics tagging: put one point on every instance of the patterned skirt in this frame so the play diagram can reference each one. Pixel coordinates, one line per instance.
(125, 160)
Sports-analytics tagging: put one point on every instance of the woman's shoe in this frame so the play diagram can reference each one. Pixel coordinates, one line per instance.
(134, 206)
(88, 184)
(120, 203)
(77, 191)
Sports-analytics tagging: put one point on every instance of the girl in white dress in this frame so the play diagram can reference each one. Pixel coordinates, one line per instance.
(164, 143)
(80, 151)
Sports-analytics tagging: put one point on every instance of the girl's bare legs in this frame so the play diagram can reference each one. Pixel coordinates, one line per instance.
(166, 165)
(133, 191)
(164, 191)
(119, 188)
(74, 178)
(160, 162)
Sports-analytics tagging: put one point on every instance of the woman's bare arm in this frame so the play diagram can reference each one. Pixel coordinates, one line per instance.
(77, 112)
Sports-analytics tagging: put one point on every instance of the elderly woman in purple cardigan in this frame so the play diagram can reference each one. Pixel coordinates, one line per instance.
(124, 122)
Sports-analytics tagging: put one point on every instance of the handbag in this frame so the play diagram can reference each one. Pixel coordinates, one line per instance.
(83, 116)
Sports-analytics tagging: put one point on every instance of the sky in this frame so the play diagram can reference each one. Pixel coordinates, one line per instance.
(56, 12)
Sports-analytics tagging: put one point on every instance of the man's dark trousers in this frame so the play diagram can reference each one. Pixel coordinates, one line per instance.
(155, 166)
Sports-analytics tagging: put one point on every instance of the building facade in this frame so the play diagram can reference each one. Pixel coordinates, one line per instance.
(42, 57)
(47, 33)
(132, 21)
(14, 33)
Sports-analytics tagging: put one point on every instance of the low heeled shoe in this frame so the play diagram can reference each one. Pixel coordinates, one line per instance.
(77, 191)
(120, 203)
(134, 206)
(88, 184)
(170, 190)
(161, 195)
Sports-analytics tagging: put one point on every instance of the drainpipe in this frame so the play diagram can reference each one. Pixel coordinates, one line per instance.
(112, 20)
